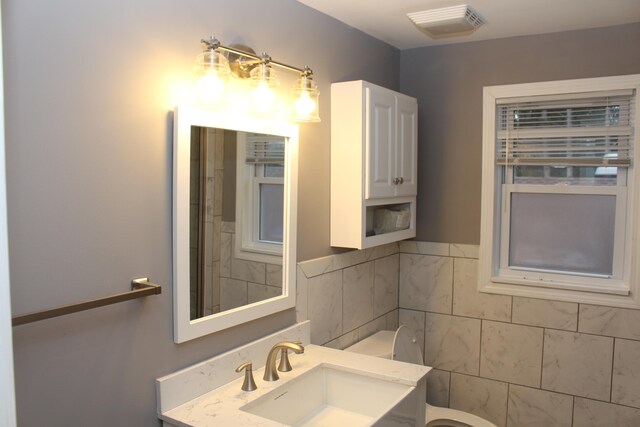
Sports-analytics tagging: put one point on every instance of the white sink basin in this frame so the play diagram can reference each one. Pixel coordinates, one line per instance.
(329, 395)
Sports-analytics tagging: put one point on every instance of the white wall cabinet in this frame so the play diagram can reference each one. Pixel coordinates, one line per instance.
(373, 165)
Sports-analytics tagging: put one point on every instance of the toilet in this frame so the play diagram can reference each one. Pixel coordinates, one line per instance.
(403, 346)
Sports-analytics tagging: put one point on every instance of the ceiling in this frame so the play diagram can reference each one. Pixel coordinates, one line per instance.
(387, 20)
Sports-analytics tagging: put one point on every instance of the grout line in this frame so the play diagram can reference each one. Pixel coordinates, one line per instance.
(453, 281)
(449, 391)
(424, 338)
(613, 363)
(511, 315)
(506, 414)
(398, 288)
(611, 403)
(544, 333)
(342, 296)
(373, 291)
(573, 408)
(480, 348)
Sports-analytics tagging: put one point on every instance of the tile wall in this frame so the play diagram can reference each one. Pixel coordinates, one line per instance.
(349, 296)
(517, 361)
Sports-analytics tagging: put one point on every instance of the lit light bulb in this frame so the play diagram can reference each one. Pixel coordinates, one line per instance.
(211, 88)
(263, 96)
(304, 105)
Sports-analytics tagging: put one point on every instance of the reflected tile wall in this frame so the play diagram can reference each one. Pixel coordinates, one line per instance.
(242, 281)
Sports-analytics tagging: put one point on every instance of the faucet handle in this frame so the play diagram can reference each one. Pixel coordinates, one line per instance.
(249, 384)
(284, 365)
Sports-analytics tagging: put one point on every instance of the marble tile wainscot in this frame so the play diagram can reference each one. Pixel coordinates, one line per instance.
(516, 361)
(349, 296)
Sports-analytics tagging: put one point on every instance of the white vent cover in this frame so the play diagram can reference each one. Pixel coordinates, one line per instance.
(447, 22)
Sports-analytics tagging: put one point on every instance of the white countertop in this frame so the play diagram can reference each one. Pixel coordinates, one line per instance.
(220, 406)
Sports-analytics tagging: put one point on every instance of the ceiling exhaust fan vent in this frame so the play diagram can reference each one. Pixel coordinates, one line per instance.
(447, 22)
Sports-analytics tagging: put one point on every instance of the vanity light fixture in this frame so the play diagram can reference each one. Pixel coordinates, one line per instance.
(213, 67)
(212, 70)
(264, 80)
(305, 94)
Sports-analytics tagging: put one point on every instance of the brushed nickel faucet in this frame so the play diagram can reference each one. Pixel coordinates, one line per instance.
(270, 371)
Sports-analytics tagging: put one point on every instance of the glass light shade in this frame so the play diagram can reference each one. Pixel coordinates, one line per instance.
(263, 95)
(211, 70)
(305, 96)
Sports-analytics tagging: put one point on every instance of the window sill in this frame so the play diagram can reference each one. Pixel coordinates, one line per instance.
(531, 289)
(257, 256)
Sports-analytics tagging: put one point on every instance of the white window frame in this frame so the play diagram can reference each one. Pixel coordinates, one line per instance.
(622, 288)
(248, 245)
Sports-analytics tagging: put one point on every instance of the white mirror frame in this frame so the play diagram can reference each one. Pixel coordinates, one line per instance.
(185, 117)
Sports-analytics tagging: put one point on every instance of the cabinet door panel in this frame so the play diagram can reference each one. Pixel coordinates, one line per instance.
(407, 148)
(380, 146)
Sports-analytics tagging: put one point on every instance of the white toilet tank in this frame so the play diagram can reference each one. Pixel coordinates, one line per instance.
(400, 345)
(378, 344)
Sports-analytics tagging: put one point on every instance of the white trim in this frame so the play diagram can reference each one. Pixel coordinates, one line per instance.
(184, 118)
(625, 288)
(7, 392)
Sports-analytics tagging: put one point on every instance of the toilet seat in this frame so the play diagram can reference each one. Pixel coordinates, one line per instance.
(445, 417)
(402, 345)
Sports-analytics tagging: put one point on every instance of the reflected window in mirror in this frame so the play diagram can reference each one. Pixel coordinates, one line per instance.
(260, 173)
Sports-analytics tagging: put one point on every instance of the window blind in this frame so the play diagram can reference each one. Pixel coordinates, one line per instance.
(586, 129)
(263, 149)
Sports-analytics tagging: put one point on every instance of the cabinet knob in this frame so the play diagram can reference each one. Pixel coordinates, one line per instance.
(401, 180)
(396, 181)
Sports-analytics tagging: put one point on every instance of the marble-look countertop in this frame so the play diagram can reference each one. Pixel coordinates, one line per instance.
(220, 407)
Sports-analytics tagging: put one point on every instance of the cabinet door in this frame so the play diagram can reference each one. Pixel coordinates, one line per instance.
(380, 143)
(407, 148)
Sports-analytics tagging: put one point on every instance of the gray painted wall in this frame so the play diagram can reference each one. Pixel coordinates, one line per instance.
(448, 82)
(89, 95)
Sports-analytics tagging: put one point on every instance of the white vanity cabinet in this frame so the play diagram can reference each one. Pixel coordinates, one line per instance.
(373, 165)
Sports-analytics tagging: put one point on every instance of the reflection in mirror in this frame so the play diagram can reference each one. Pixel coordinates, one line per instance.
(236, 203)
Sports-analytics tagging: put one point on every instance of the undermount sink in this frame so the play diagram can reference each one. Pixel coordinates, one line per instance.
(330, 395)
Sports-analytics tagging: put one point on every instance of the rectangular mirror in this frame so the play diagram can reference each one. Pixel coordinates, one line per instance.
(234, 220)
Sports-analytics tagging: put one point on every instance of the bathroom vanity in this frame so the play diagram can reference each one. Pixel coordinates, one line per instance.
(325, 387)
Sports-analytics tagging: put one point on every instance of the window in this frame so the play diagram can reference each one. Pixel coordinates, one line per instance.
(558, 190)
(259, 216)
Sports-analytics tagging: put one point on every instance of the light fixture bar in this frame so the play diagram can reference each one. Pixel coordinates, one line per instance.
(214, 43)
